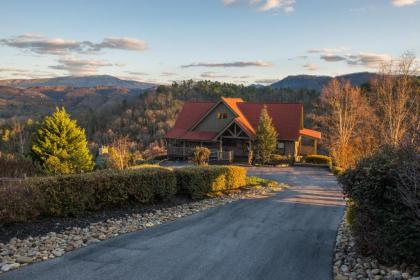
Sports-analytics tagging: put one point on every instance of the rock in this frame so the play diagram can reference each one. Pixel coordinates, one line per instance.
(375, 271)
(344, 268)
(23, 259)
(91, 241)
(396, 275)
(58, 252)
(9, 266)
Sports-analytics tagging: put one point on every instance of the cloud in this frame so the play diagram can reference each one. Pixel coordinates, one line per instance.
(129, 44)
(310, 67)
(134, 73)
(213, 75)
(258, 63)
(266, 81)
(286, 5)
(264, 5)
(15, 70)
(332, 57)
(79, 67)
(371, 60)
(168, 74)
(57, 46)
(402, 3)
(327, 50)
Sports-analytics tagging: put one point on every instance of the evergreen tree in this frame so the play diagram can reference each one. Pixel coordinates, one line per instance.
(266, 138)
(60, 145)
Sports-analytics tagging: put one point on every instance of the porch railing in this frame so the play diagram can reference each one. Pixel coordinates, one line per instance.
(187, 152)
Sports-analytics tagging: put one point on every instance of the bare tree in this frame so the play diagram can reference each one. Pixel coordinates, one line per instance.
(397, 100)
(119, 153)
(343, 117)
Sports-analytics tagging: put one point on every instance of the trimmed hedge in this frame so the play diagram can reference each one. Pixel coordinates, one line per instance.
(319, 159)
(68, 195)
(199, 181)
(382, 212)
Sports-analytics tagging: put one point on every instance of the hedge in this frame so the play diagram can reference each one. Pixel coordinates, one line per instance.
(383, 196)
(319, 159)
(199, 181)
(69, 195)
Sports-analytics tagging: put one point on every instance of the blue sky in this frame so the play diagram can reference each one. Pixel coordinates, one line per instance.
(240, 41)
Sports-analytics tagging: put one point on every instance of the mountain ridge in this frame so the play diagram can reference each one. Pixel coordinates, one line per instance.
(78, 81)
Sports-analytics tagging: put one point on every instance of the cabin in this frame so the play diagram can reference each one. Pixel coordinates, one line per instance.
(228, 128)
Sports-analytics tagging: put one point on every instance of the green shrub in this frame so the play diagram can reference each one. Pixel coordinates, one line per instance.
(319, 159)
(66, 195)
(383, 219)
(337, 170)
(279, 159)
(19, 202)
(200, 181)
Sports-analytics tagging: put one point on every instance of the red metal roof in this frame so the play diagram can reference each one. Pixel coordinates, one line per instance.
(310, 133)
(287, 119)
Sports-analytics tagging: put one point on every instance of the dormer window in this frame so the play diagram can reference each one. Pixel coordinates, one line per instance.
(221, 115)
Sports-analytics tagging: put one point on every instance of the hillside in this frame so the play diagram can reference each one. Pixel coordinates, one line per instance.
(311, 82)
(76, 81)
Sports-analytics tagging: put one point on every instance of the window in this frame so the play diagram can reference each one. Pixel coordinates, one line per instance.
(281, 148)
(221, 115)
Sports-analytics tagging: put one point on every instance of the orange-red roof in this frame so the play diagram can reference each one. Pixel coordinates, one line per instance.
(310, 133)
(287, 119)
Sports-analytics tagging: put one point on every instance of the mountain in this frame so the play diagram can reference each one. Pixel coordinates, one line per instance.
(78, 82)
(312, 82)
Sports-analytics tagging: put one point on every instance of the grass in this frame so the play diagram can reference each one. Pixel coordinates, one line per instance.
(258, 183)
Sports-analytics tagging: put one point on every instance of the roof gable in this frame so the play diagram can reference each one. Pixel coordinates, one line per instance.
(287, 119)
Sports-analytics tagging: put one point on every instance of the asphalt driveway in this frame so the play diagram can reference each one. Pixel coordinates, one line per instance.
(289, 235)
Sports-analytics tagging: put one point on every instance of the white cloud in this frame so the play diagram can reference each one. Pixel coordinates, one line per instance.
(370, 60)
(79, 67)
(213, 75)
(258, 63)
(286, 5)
(57, 46)
(266, 81)
(327, 50)
(264, 5)
(402, 3)
(310, 67)
(168, 74)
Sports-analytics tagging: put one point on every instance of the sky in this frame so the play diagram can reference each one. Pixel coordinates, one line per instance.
(239, 41)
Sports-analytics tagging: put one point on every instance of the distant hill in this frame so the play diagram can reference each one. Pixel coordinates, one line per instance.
(312, 82)
(79, 82)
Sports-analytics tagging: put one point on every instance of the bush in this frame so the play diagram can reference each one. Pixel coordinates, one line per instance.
(66, 195)
(199, 181)
(337, 170)
(280, 159)
(319, 159)
(17, 167)
(201, 155)
(19, 202)
(384, 214)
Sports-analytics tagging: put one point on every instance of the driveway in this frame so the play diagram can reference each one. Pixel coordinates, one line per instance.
(289, 235)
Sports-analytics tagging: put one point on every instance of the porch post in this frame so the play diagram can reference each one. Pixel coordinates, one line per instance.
(220, 153)
(183, 149)
(315, 146)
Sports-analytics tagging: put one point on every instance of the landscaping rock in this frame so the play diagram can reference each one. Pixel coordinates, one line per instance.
(348, 264)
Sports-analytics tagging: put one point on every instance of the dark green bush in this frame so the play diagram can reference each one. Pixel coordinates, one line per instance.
(66, 195)
(384, 219)
(319, 159)
(14, 166)
(200, 181)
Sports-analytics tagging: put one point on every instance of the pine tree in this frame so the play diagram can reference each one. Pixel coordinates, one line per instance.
(60, 145)
(266, 138)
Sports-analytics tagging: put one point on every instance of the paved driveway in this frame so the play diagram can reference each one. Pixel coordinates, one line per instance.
(289, 235)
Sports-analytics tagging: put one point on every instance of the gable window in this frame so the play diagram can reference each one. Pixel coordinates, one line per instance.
(221, 115)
